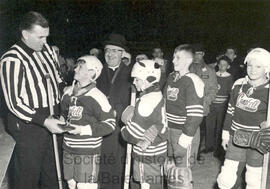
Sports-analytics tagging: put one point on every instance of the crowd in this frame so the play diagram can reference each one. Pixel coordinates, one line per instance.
(182, 111)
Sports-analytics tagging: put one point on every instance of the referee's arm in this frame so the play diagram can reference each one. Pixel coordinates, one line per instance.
(12, 79)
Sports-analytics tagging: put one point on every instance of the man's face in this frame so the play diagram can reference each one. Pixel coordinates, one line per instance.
(157, 53)
(182, 60)
(230, 53)
(113, 55)
(36, 37)
(198, 57)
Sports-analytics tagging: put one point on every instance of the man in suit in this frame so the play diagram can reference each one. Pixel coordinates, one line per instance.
(115, 83)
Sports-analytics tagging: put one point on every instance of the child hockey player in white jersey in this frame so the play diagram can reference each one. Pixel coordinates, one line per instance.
(247, 109)
(89, 113)
(146, 126)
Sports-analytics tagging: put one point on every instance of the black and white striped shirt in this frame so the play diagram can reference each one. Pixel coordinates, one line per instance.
(24, 84)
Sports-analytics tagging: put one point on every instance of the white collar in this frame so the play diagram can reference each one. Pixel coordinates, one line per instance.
(113, 68)
(223, 74)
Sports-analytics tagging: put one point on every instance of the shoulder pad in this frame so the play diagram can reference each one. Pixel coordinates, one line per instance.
(198, 84)
(240, 81)
(100, 98)
(148, 103)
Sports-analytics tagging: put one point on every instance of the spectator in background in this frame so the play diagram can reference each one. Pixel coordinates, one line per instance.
(126, 58)
(208, 75)
(237, 69)
(70, 62)
(215, 118)
(158, 58)
(140, 57)
(95, 52)
(60, 58)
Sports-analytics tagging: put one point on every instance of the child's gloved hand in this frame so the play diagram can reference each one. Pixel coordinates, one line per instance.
(143, 144)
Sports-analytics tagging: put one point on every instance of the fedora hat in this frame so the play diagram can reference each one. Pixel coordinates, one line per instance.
(117, 40)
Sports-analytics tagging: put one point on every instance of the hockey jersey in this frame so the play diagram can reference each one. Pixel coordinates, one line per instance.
(247, 107)
(149, 111)
(225, 83)
(184, 102)
(87, 109)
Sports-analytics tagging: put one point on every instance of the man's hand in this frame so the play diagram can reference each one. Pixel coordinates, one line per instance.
(52, 125)
(224, 144)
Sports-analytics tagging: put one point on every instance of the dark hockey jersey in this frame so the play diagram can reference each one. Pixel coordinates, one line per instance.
(184, 102)
(247, 107)
(90, 109)
(149, 110)
(225, 83)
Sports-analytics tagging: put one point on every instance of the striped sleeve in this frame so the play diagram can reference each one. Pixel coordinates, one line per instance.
(230, 112)
(13, 82)
(132, 133)
(194, 110)
(105, 123)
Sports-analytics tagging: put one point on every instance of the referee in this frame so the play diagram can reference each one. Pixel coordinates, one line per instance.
(23, 70)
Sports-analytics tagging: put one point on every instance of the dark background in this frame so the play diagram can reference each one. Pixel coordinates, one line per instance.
(78, 25)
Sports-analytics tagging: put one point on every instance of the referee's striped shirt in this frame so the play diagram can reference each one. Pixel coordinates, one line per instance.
(24, 84)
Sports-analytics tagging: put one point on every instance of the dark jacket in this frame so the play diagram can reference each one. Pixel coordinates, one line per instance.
(117, 92)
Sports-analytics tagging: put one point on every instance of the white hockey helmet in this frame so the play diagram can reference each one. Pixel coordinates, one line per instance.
(146, 70)
(93, 63)
(260, 54)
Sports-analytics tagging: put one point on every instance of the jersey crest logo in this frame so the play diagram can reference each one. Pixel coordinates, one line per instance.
(246, 103)
(75, 112)
(172, 93)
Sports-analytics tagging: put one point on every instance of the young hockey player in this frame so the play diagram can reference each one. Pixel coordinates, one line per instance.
(247, 109)
(89, 113)
(146, 126)
(215, 118)
(184, 106)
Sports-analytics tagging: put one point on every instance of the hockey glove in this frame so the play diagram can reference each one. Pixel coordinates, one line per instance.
(259, 140)
(127, 114)
(151, 134)
(143, 144)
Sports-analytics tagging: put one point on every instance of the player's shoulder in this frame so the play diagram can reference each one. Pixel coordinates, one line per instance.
(197, 82)
(240, 82)
(149, 102)
(100, 98)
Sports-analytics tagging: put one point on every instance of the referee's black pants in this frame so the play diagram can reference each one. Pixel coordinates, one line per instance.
(34, 162)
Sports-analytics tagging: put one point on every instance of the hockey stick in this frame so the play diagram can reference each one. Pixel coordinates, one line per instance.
(55, 145)
(266, 156)
(129, 146)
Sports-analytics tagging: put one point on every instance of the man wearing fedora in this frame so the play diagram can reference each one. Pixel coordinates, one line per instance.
(115, 83)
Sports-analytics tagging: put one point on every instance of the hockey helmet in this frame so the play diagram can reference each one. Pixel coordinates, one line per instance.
(260, 54)
(146, 70)
(92, 63)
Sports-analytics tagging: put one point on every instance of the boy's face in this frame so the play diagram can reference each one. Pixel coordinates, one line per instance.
(139, 83)
(181, 60)
(82, 73)
(255, 69)
(223, 66)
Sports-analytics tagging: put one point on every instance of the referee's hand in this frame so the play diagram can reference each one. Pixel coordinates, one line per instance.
(52, 125)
